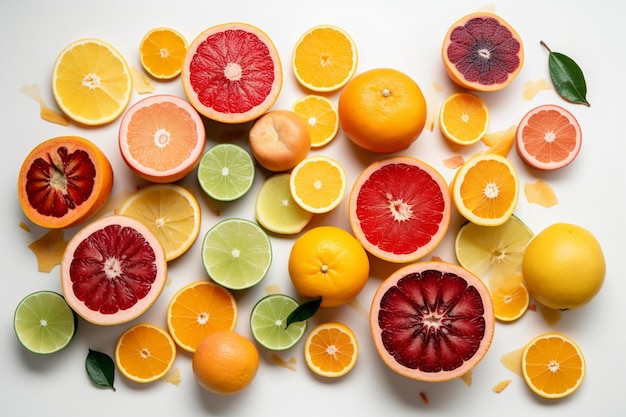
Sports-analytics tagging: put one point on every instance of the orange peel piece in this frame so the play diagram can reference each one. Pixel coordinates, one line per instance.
(540, 193)
(49, 249)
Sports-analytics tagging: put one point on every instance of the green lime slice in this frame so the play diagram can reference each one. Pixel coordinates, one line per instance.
(226, 172)
(268, 319)
(44, 322)
(236, 253)
(276, 210)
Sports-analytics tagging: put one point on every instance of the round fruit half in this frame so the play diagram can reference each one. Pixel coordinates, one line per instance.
(482, 52)
(432, 321)
(113, 270)
(64, 181)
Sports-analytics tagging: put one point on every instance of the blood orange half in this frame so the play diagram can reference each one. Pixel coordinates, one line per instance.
(432, 321)
(400, 209)
(113, 270)
(232, 73)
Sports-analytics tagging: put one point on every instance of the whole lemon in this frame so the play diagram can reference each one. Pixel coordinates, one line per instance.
(564, 266)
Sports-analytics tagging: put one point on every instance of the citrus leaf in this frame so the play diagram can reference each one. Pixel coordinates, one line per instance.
(567, 77)
(100, 368)
(304, 311)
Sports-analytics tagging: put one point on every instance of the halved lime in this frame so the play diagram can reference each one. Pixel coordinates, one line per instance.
(275, 208)
(236, 253)
(226, 172)
(44, 322)
(268, 320)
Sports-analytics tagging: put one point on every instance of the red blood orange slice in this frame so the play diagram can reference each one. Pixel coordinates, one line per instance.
(113, 270)
(232, 73)
(482, 52)
(64, 181)
(548, 137)
(432, 321)
(400, 209)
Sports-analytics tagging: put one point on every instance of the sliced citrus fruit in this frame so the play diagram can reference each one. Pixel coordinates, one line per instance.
(113, 270)
(463, 118)
(331, 349)
(485, 189)
(232, 73)
(432, 321)
(161, 138)
(44, 323)
(145, 353)
(268, 322)
(162, 52)
(64, 181)
(324, 58)
(199, 309)
(91, 82)
(400, 209)
(276, 210)
(236, 253)
(170, 211)
(321, 116)
(318, 184)
(226, 172)
(548, 137)
(553, 365)
(510, 298)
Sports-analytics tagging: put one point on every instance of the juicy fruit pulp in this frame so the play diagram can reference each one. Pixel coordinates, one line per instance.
(432, 321)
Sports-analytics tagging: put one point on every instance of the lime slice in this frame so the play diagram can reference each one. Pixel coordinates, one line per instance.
(236, 253)
(275, 208)
(268, 319)
(226, 172)
(44, 323)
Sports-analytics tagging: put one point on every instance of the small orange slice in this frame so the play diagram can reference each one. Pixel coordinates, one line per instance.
(321, 116)
(318, 184)
(162, 53)
(510, 298)
(463, 118)
(331, 349)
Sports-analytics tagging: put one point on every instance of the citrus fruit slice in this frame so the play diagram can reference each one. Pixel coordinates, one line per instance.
(64, 181)
(162, 52)
(236, 253)
(43, 322)
(268, 322)
(463, 118)
(161, 138)
(400, 209)
(485, 189)
(276, 210)
(321, 115)
(432, 321)
(232, 73)
(331, 349)
(548, 137)
(145, 353)
(510, 298)
(226, 172)
(318, 184)
(113, 270)
(553, 365)
(482, 52)
(199, 309)
(170, 211)
(91, 82)
(324, 58)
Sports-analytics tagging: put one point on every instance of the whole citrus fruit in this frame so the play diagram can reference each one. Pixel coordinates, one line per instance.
(225, 362)
(328, 261)
(564, 266)
(382, 110)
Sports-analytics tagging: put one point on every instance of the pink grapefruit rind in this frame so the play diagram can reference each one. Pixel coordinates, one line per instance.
(387, 195)
(410, 308)
(110, 260)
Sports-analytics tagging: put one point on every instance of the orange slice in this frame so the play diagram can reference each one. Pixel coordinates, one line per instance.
(463, 118)
(162, 53)
(321, 116)
(324, 58)
(510, 298)
(331, 349)
(318, 184)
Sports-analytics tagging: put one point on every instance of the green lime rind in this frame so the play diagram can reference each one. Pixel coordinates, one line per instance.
(236, 253)
(268, 320)
(44, 323)
(226, 172)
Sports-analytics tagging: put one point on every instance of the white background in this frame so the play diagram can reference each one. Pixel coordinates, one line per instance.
(399, 34)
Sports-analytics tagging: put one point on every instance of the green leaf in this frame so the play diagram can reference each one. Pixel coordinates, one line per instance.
(567, 77)
(100, 368)
(304, 311)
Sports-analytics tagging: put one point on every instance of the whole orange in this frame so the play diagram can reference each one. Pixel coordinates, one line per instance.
(382, 110)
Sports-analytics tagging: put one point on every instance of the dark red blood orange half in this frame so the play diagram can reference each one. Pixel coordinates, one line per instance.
(113, 270)
(432, 321)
